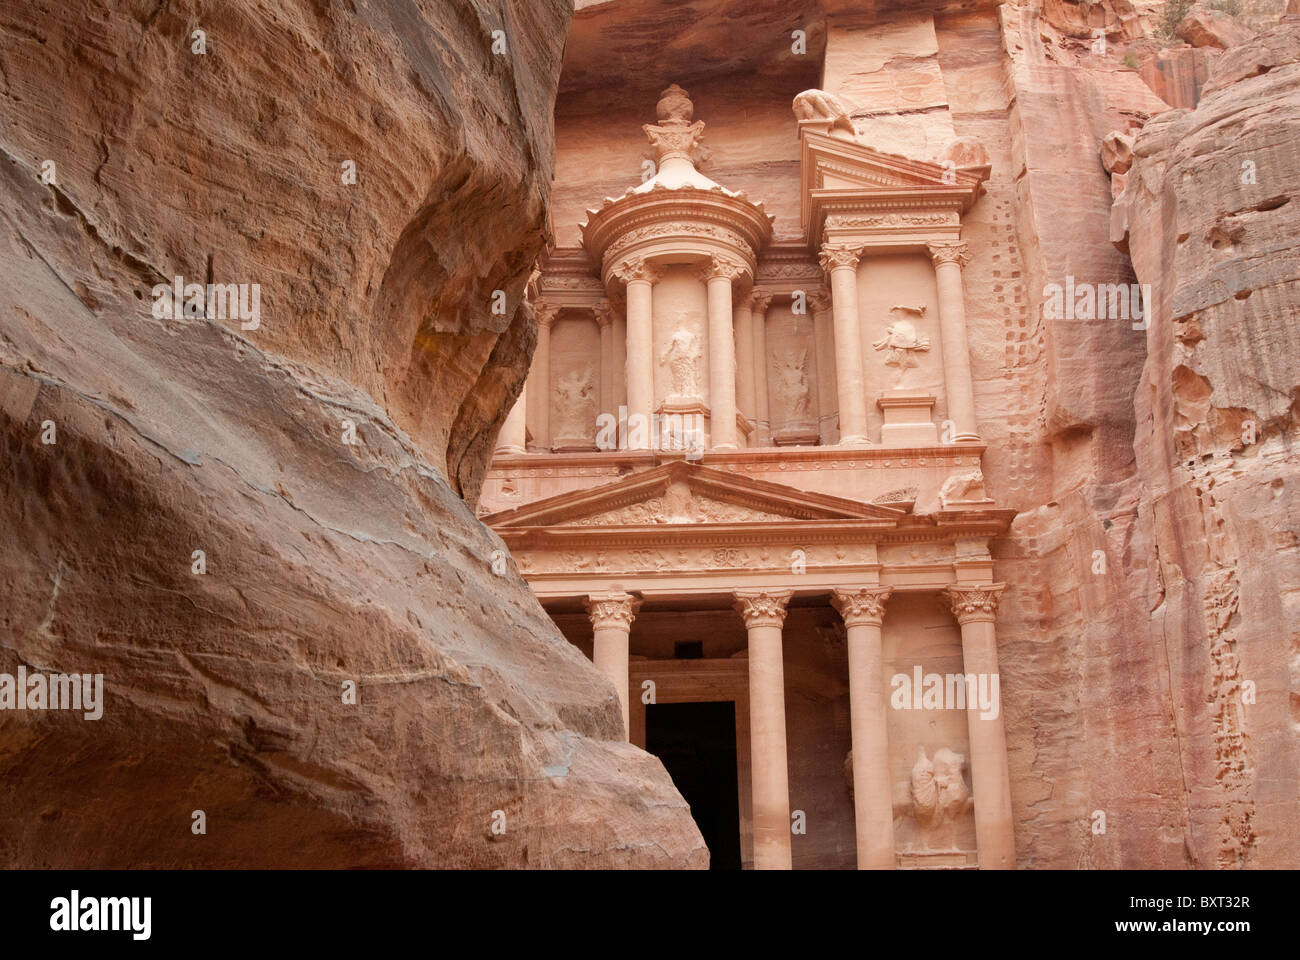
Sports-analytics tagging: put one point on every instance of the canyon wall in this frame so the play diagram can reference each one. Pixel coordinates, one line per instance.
(255, 527)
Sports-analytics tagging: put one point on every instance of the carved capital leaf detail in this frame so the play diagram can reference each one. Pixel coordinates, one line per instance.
(763, 608)
(949, 251)
(604, 311)
(973, 604)
(835, 256)
(636, 268)
(760, 302)
(616, 610)
(545, 312)
(861, 605)
(723, 267)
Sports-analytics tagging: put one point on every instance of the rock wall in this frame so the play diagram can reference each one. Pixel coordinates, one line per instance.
(235, 519)
(1210, 204)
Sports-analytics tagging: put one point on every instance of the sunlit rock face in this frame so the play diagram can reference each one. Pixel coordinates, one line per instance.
(254, 523)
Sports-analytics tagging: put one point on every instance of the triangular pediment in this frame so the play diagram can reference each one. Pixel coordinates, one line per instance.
(845, 173)
(686, 493)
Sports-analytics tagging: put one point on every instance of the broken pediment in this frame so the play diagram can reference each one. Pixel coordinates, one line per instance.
(684, 493)
(845, 176)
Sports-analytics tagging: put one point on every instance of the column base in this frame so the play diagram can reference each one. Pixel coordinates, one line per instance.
(508, 451)
(854, 442)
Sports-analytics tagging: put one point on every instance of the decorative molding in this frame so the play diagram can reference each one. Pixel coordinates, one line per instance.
(844, 221)
(612, 610)
(861, 606)
(763, 608)
(976, 604)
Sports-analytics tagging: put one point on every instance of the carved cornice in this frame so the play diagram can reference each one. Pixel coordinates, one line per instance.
(636, 268)
(612, 610)
(839, 256)
(949, 251)
(762, 608)
(861, 606)
(975, 604)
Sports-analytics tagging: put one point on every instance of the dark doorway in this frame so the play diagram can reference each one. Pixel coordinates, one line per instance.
(697, 744)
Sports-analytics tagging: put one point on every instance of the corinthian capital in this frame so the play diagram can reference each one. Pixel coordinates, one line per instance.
(949, 251)
(763, 608)
(759, 301)
(723, 267)
(973, 604)
(616, 610)
(545, 312)
(819, 300)
(836, 255)
(861, 605)
(636, 268)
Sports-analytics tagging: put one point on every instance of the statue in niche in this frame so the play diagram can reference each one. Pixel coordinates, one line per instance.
(792, 385)
(939, 797)
(902, 342)
(575, 396)
(681, 357)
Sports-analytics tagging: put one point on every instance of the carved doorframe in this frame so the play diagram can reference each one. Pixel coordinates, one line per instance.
(701, 681)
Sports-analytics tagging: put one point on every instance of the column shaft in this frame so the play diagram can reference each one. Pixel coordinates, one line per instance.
(842, 263)
(975, 609)
(763, 424)
(611, 620)
(604, 321)
(863, 611)
(514, 432)
(540, 376)
(744, 330)
(824, 343)
(764, 614)
(722, 355)
(639, 277)
(958, 384)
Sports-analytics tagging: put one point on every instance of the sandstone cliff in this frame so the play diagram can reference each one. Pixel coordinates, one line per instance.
(232, 520)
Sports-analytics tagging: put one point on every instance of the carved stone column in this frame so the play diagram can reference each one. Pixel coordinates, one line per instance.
(764, 613)
(824, 344)
(949, 257)
(611, 620)
(762, 416)
(719, 274)
(513, 437)
(744, 329)
(540, 375)
(863, 610)
(640, 278)
(841, 262)
(604, 314)
(975, 608)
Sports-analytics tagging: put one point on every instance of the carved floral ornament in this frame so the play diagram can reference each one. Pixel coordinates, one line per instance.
(838, 256)
(763, 608)
(861, 606)
(612, 610)
(949, 251)
(722, 267)
(975, 604)
(636, 268)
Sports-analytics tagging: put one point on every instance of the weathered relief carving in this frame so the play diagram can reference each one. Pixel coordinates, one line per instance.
(681, 357)
(575, 406)
(792, 387)
(962, 488)
(939, 797)
(902, 342)
(817, 104)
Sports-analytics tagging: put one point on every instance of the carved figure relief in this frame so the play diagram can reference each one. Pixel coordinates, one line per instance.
(575, 400)
(939, 797)
(962, 488)
(681, 357)
(902, 342)
(792, 386)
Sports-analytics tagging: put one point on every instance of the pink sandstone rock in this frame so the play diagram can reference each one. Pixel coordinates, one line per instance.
(478, 737)
(1205, 27)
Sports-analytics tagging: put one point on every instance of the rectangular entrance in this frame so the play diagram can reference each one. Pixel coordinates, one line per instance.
(697, 744)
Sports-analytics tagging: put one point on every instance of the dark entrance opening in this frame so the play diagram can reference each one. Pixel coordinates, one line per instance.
(697, 744)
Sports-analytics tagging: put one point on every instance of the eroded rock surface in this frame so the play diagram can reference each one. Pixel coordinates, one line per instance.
(323, 561)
